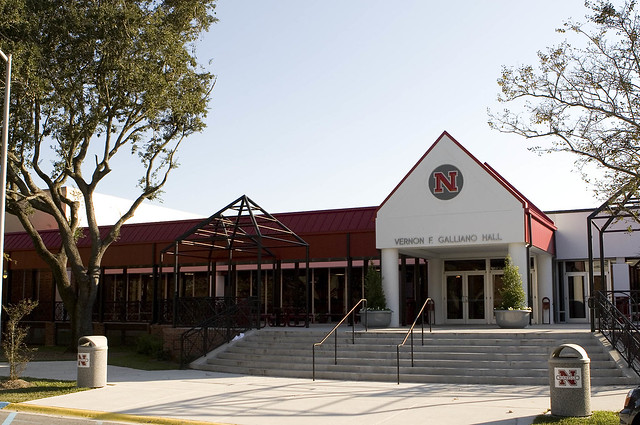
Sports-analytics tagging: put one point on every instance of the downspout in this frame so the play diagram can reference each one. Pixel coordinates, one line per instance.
(348, 278)
(554, 281)
(528, 247)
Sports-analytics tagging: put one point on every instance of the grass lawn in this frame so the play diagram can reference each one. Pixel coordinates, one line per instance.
(40, 388)
(119, 355)
(125, 356)
(597, 418)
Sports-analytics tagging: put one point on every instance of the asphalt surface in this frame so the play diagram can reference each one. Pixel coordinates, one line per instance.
(21, 418)
(190, 396)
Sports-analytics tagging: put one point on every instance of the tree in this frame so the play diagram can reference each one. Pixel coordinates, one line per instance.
(95, 81)
(512, 293)
(585, 98)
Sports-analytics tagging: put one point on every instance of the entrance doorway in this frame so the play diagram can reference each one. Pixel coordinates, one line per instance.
(465, 298)
(576, 296)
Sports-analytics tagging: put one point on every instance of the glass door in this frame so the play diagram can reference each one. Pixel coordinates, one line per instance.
(465, 298)
(576, 296)
(454, 302)
(475, 298)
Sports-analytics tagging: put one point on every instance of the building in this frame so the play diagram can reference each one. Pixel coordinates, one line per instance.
(444, 232)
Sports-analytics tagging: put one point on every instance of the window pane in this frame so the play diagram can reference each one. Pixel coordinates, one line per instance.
(464, 265)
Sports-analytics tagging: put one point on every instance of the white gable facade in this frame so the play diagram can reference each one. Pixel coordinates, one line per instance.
(464, 219)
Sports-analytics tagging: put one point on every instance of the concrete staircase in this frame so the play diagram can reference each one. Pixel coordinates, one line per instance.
(452, 356)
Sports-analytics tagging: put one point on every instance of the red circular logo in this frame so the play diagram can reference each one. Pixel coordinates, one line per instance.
(445, 182)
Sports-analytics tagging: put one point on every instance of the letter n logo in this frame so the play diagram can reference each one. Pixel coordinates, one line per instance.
(445, 182)
(450, 183)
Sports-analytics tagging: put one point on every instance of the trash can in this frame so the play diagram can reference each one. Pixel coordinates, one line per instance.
(570, 381)
(92, 361)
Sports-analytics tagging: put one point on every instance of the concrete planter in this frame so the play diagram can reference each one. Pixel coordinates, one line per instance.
(512, 319)
(376, 318)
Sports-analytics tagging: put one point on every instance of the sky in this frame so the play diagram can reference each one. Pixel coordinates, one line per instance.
(329, 104)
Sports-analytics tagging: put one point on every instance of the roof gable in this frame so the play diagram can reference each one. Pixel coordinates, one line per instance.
(449, 192)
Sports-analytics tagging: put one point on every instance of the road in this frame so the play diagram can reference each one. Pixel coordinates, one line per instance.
(21, 418)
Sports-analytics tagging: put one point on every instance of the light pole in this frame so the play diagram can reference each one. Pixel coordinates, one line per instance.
(3, 164)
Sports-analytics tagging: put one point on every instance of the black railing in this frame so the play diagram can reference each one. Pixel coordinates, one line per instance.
(232, 319)
(334, 331)
(127, 311)
(428, 305)
(291, 316)
(113, 311)
(616, 312)
(165, 311)
(60, 313)
(628, 302)
(191, 311)
(42, 313)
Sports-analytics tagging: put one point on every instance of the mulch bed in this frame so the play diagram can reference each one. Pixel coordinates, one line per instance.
(14, 384)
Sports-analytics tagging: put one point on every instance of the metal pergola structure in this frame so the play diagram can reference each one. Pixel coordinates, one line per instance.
(624, 204)
(241, 230)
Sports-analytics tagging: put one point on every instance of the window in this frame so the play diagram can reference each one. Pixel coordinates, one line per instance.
(464, 265)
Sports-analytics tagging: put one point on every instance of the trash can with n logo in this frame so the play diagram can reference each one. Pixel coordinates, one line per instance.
(570, 381)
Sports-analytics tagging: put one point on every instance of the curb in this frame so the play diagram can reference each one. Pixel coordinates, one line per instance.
(104, 416)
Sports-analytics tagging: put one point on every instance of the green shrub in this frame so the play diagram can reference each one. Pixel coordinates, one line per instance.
(13, 343)
(512, 293)
(373, 291)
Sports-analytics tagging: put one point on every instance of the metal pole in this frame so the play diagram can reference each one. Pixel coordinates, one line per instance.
(398, 363)
(176, 289)
(259, 287)
(3, 159)
(307, 295)
(335, 347)
(592, 314)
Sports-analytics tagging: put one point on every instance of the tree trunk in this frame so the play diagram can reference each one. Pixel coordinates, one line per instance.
(82, 317)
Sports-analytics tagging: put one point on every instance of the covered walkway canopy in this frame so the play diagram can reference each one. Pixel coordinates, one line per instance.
(240, 231)
(618, 214)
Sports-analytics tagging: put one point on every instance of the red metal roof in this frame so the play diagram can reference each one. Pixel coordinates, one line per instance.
(348, 220)
(330, 221)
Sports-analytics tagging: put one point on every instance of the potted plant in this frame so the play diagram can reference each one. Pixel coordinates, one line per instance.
(512, 311)
(377, 314)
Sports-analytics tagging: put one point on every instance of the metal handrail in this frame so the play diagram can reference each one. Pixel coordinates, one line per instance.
(410, 332)
(618, 329)
(363, 301)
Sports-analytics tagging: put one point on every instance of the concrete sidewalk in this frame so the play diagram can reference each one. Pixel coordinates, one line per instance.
(251, 400)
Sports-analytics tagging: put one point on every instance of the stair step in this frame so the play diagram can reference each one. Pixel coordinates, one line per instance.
(519, 366)
(519, 358)
(606, 369)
